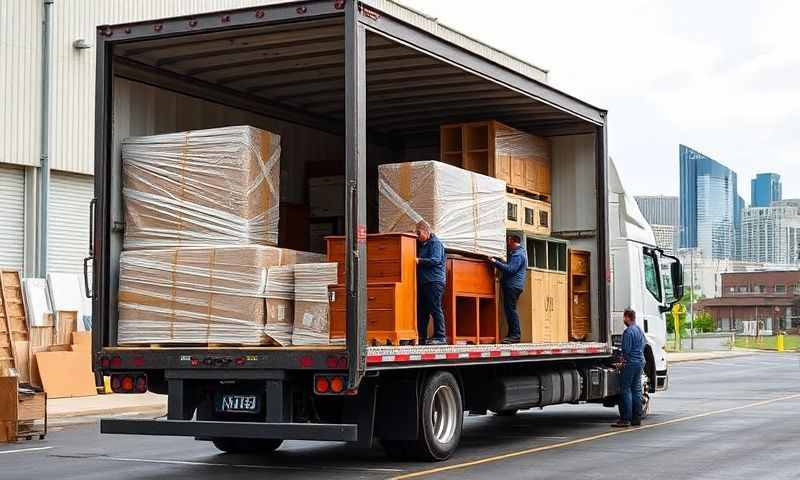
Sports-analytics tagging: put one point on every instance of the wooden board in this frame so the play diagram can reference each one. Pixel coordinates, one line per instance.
(64, 374)
(15, 325)
(66, 324)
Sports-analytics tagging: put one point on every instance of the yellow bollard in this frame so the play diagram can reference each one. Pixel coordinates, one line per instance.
(779, 342)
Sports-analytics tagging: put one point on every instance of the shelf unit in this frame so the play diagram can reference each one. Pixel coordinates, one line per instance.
(580, 308)
(23, 414)
(470, 301)
(491, 148)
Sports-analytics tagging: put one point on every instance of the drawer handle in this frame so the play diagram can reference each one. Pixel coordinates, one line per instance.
(370, 298)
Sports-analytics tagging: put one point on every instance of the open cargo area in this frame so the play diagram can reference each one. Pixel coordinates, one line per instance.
(284, 71)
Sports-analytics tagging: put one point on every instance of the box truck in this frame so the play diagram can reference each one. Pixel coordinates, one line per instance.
(352, 85)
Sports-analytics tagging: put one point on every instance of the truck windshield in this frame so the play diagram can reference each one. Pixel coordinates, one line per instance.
(651, 279)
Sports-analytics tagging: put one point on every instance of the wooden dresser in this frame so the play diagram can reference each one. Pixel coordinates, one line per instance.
(391, 288)
(470, 301)
(23, 415)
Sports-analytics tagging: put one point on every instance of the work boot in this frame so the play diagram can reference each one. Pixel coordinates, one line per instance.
(636, 421)
(437, 341)
(621, 424)
(509, 340)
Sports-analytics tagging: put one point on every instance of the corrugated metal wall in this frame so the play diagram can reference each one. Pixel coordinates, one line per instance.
(73, 72)
(20, 44)
(12, 221)
(68, 226)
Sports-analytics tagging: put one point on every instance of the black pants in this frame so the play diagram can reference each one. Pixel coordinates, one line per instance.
(510, 297)
(429, 303)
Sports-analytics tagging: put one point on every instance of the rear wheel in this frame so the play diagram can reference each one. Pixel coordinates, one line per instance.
(246, 445)
(441, 416)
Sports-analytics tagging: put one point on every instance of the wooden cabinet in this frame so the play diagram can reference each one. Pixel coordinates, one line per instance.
(580, 308)
(528, 215)
(520, 159)
(22, 414)
(543, 304)
(470, 301)
(391, 288)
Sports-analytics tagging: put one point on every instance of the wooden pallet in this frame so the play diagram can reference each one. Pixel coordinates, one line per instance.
(528, 193)
(15, 345)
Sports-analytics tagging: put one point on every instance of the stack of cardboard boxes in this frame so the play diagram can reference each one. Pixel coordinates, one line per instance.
(200, 265)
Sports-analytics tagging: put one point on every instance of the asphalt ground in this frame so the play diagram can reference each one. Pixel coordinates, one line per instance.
(726, 419)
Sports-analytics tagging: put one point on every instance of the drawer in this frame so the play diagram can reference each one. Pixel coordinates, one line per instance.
(384, 248)
(379, 319)
(378, 271)
(31, 407)
(377, 298)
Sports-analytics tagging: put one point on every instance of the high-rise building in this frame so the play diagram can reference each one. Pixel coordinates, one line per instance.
(710, 205)
(765, 189)
(772, 234)
(663, 214)
(665, 237)
(659, 209)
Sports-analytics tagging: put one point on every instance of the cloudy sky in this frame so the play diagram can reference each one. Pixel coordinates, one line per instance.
(722, 77)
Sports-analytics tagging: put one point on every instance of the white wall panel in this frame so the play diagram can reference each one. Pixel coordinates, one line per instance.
(12, 221)
(68, 222)
(20, 40)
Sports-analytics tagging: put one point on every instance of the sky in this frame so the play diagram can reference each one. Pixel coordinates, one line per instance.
(722, 77)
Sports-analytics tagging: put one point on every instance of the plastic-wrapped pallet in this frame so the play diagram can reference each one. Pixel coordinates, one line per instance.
(204, 187)
(466, 210)
(280, 304)
(311, 303)
(198, 294)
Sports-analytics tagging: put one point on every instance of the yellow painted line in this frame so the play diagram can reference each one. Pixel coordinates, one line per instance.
(577, 441)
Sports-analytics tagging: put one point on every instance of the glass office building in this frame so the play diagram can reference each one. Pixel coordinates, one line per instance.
(765, 189)
(710, 206)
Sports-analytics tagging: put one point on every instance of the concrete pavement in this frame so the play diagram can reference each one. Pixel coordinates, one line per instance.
(723, 418)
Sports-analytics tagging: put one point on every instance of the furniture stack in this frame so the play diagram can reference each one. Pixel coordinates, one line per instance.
(470, 301)
(391, 289)
(200, 263)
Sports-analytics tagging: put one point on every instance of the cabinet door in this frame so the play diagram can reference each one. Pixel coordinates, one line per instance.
(540, 294)
(542, 178)
(502, 167)
(531, 174)
(558, 313)
(517, 172)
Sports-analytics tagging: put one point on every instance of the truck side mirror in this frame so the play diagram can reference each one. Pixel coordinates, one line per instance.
(676, 272)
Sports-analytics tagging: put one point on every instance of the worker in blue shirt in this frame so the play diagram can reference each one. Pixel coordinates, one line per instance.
(633, 342)
(430, 285)
(512, 283)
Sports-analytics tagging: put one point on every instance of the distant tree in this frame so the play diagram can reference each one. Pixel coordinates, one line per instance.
(683, 323)
(704, 322)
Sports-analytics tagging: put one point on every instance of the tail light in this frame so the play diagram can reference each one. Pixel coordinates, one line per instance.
(329, 384)
(129, 383)
(105, 362)
(116, 362)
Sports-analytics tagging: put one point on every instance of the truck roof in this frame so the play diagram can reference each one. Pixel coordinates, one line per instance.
(286, 60)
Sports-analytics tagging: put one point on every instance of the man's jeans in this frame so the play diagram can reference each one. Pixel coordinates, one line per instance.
(429, 302)
(510, 297)
(630, 407)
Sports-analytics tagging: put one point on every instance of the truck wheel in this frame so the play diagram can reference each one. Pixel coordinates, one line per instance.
(441, 417)
(246, 445)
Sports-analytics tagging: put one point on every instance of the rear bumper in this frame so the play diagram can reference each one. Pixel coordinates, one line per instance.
(212, 429)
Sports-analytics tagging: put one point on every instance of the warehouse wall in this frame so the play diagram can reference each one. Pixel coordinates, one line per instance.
(73, 72)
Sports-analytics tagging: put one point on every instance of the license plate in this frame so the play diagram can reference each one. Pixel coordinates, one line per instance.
(238, 404)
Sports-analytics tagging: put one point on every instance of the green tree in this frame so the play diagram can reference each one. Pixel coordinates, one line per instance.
(704, 322)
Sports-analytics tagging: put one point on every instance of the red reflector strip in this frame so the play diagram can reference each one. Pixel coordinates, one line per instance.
(410, 355)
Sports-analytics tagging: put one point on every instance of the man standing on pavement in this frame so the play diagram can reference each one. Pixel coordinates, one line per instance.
(633, 341)
(430, 285)
(512, 283)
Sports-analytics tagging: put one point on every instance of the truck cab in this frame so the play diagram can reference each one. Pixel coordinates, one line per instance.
(642, 277)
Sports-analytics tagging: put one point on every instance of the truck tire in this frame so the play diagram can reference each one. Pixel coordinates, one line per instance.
(441, 416)
(246, 445)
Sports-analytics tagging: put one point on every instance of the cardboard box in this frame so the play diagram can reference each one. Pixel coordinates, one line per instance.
(219, 186)
(65, 374)
(198, 295)
(466, 210)
(312, 303)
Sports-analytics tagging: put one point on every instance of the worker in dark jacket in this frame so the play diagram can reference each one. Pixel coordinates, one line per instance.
(633, 342)
(512, 283)
(430, 285)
